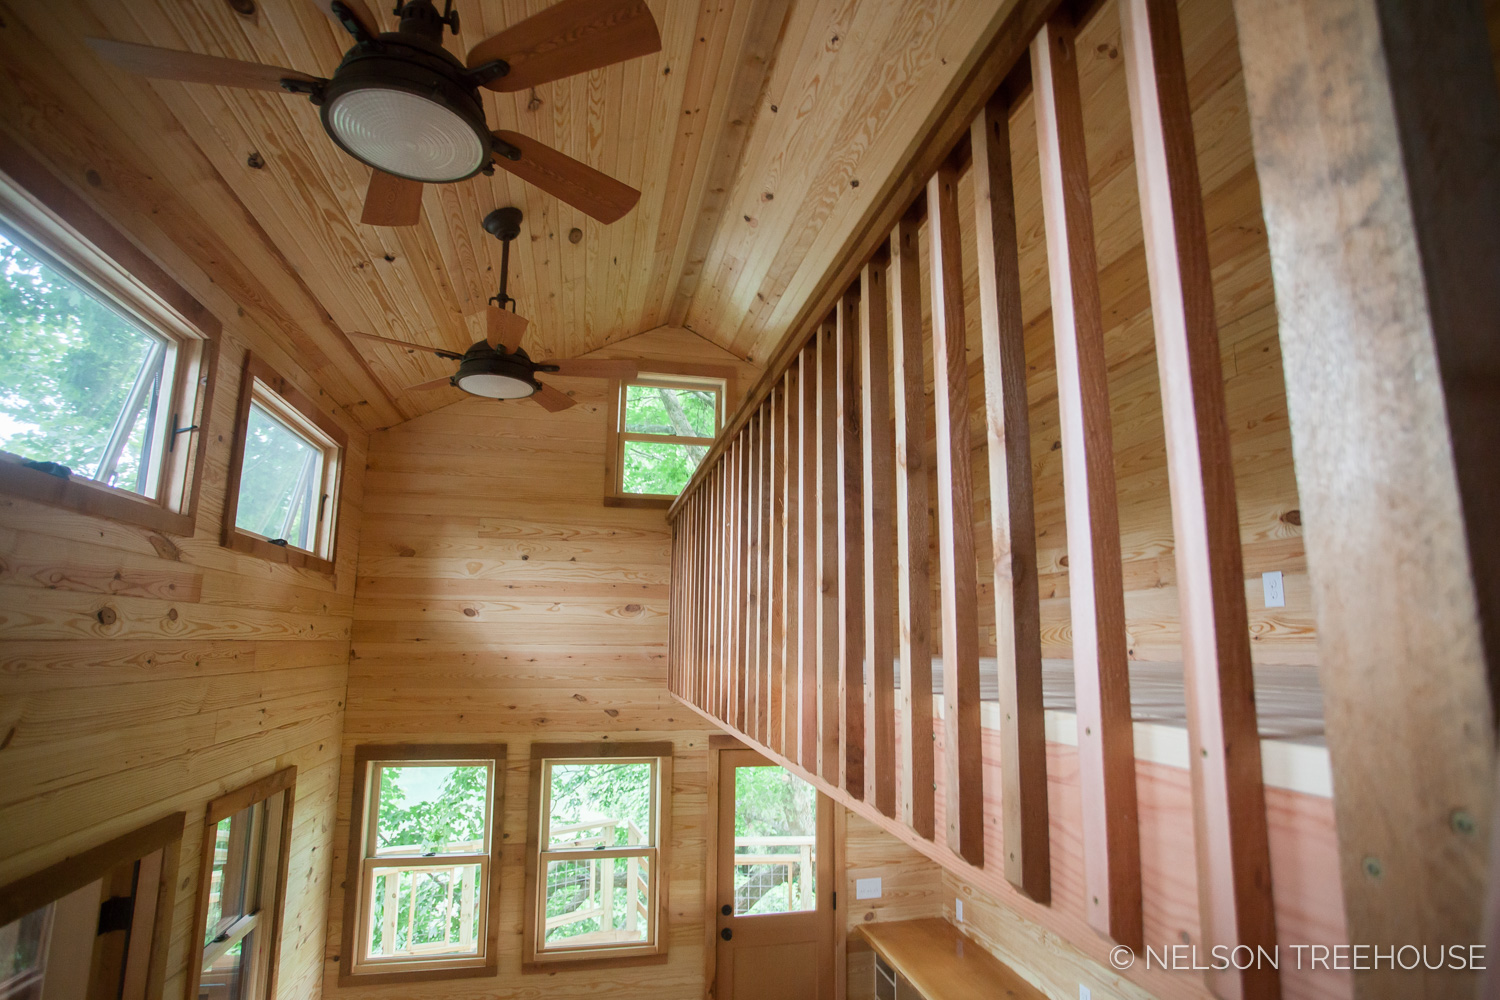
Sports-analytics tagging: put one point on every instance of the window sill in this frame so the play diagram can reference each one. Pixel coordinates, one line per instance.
(570, 962)
(637, 500)
(256, 546)
(418, 975)
(90, 498)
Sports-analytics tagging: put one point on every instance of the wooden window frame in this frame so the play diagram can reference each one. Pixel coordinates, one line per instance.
(260, 384)
(720, 378)
(362, 811)
(266, 919)
(158, 846)
(67, 232)
(596, 956)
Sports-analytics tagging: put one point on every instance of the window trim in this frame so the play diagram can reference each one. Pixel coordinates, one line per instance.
(682, 375)
(48, 214)
(534, 959)
(156, 844)
(360, 811)
(290, 404)
(254, 793)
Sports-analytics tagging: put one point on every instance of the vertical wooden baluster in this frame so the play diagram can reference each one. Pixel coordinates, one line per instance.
(735, 610)
(829, 630)
(808, 570)
(776, 563)
(742, 613)
(913, 584)
(1229, 814)
(851, 483)
(1106, 749)
(1018, 630)
(716, 593)
(769, 602)
(879, 492)
(962, 753)
(790, 547)
(754, 611)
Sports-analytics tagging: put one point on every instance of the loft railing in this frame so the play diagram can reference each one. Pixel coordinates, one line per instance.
(788, 626)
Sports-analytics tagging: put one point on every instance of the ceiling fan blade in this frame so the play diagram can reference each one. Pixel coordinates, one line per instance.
(597, 195)
(595, 368)
(410, 347)
(553, 399)
(571, 37)
(191, 67)
(392, 201)
(357, 10)
(437, 383)
(505, 329)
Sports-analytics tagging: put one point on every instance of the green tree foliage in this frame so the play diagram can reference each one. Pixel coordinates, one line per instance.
(67, 363)
(662, 468)
(770, 802)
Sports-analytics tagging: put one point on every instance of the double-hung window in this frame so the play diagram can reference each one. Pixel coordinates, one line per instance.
(103, 379)
(661, 428)
(424, 845)
(596, 849)
(242, 890)
(284, 474)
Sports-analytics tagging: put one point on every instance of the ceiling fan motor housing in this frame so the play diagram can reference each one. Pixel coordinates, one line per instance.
(485, 371)
(403, 104)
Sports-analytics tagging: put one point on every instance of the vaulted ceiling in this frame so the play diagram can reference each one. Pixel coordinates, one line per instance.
(759, 136)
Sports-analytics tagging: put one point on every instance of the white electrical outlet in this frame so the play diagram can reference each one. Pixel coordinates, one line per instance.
(867, 888)
(1274, 588)
(1083, 992)
(958, 909)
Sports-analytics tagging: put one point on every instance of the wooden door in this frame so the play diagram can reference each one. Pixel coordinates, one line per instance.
(775, 884)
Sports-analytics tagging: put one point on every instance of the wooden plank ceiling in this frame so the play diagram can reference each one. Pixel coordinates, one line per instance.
(758, 137)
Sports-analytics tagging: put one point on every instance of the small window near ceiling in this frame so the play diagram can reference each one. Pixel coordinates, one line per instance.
(594, 884)
(421, 884)
(284, 474)
(243, 889)
(662, 429)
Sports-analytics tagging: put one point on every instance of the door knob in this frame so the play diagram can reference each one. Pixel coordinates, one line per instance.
(726, 934)
(726, 909)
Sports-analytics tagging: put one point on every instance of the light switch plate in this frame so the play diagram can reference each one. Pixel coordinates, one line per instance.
(1274, 588)
(958, 909)
(867, 888)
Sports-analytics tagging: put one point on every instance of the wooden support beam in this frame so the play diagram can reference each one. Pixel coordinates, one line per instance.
(1106, 740)
(791, 391)
(1018, 629)
(913, 583)
(879, 493)
(775, 465)
(851, 482)
(829, 630)
(957, 569)
(1229, 814)
(809, 566)
(1376, 126)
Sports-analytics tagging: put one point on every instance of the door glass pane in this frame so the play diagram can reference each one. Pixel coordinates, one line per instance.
(599, 805)
(598, 901)
(432, 809)
(425, 911)
(278, 481)
(775, 842)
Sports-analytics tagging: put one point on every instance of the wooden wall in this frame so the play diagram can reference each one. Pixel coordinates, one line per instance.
(216, 669)
(911, 886)
(499, 600)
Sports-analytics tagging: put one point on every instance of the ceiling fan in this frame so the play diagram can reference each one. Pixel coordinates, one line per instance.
(404, 105)
(497, 367)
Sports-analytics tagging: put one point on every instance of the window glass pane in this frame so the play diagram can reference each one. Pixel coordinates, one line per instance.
(279, 481)
(775, 842)
(426, 911)
(79, 383)
(225, 974)
(652, 409)
(23, 954)
(432, 809)
(216, 880)
(659, 468)
(598, 901)
(600, 805)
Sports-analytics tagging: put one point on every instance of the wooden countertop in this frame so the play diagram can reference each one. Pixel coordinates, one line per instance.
(943, 964)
